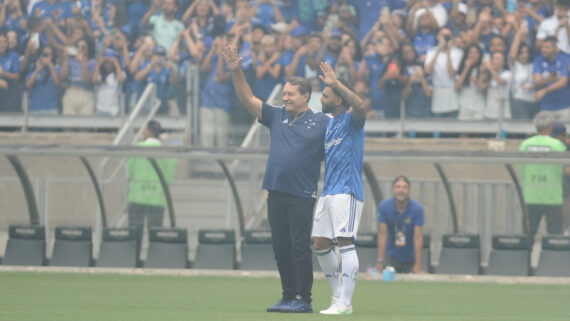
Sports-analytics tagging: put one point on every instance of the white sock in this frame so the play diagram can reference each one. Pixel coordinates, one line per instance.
(330, 267)
(349, 273)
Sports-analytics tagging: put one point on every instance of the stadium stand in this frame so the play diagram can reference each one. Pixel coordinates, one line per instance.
(118, 248)
(460, 254)
(26, 246)
(167, 249)
(510, 255)
(554, 259)
(73, 246)
(216, 250)
(257, 251)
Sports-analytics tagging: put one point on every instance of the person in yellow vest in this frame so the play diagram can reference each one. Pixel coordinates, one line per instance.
(146, 200)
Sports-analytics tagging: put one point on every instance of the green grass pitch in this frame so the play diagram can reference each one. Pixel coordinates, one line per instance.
(51, 296)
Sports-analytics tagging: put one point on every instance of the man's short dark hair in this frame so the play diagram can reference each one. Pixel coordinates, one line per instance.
(552, 39)
(154, 127)
(303, 84)
(347, 84)
(400, 178)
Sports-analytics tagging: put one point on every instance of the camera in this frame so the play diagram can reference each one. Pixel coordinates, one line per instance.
(447, 38)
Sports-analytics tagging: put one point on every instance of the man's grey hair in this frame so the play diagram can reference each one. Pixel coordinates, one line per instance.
(542, 120)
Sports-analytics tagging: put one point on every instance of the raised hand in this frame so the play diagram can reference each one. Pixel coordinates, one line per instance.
(328, 76)
(231, 57)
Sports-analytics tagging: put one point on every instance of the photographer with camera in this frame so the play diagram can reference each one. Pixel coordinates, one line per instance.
(108, 78)
(442, 63)
(78, 70)
(43, 83)
(161, 72)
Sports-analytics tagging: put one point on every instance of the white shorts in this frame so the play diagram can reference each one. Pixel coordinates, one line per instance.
(337, 216)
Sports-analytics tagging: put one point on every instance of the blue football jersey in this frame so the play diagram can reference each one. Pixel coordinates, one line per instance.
(344, 153)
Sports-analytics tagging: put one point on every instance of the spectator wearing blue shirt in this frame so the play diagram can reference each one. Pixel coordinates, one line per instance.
(330, 52)
(348, 61)
(534, 14)
(43, 84)
(291, 176)
(550, 72)
(161, 72)
(114, 21)
(400, 236)
(392, 82)
(458, 21)
(144, 47)
(268, 68)
(200, 14)
(424, 35)
(56, 10)
(296, 53)
(346, 20)
(418, 89)
(215, 96)
(244, 19)
(136, 10)
(483, 30)
(368, 13)
(78, 70)
(12, 17)
(372, 67)
(268, 11)
(10, 94)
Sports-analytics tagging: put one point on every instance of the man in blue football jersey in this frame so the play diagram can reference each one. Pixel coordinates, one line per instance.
(339, 208)
(291, 176)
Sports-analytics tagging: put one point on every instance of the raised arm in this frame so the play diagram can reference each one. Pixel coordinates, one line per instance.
(245, 95)
(329, 78)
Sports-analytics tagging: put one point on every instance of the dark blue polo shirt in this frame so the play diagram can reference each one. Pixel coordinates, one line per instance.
(413, 216)
(296, 150)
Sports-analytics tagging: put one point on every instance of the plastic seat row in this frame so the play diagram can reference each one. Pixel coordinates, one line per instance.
(73, 247)
(168, 248)
(510, 255)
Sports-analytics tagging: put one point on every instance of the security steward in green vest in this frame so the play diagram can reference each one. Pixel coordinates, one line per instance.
(146, 196)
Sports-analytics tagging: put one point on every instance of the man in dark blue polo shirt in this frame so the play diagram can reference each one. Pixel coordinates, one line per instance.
(291, 176)
(400, 236)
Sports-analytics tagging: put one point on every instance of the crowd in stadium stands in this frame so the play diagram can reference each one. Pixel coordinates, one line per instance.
(465, 59)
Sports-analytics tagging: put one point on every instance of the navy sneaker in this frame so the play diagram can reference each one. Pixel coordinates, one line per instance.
(297, 306)
(279, 305)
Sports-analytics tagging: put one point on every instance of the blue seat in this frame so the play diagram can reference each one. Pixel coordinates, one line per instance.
(26, 245)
